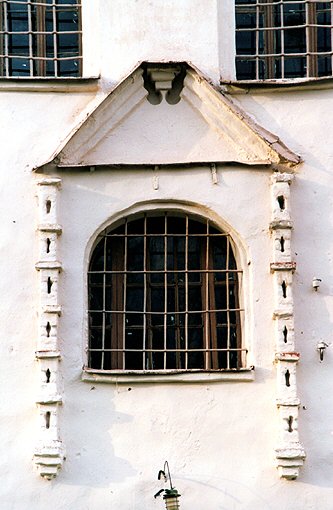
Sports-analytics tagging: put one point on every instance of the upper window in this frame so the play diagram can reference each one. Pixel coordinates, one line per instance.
(283, 39)
(164, 295)
(40, 38)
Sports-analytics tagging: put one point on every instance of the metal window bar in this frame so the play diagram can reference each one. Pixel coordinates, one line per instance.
(144, 351)
(1, 41)
(123, 339)
(207, 282)
(311, 35)
(186, 293)
(269, 32)
(31, 70)
(55, 41)
(5, 55)
(37, 53)
(228, 302)
(206, 316)
(257, 42)
(41, 40)
(165, 243)
(331, 14)
(104, 302)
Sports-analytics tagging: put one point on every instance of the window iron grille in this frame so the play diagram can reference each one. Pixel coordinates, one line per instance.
(282, 39)
(164, 295)
(40, 38)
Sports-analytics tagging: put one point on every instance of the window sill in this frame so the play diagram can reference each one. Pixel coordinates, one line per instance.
(49, 84)
(172, 376)
(285, 85)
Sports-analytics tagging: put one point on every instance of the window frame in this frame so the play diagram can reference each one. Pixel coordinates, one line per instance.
(36, 53)
(269, 55)
(245, 373)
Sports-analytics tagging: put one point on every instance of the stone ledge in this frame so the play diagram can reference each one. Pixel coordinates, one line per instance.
(51, 181)
(283, 266)
(48, 264)
(281, 224)
(47, 354)
(281, 314)
(287, 356)
(50, 227)
(49, 399)
(117, 377)
(288, 402)
(40, 84)
(51, 309)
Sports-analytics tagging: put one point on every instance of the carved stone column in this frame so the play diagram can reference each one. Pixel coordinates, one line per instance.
(49, 452)
(290, 453)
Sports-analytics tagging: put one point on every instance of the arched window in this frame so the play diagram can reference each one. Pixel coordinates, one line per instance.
(283, 39)
(164, 295)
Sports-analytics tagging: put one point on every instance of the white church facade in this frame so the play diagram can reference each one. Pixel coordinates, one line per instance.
(166, 252)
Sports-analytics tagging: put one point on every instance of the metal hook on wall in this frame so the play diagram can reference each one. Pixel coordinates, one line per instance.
(171, 495)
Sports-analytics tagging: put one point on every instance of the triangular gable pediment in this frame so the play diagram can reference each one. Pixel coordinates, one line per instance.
(203, 126)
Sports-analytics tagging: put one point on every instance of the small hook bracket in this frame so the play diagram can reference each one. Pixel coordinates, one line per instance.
(321, 349)
(171, 493)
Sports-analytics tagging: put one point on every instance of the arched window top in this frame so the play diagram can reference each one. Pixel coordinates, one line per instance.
(283, 39)
(164, 295)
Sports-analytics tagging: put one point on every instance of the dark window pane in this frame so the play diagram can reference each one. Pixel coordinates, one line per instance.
(67, 20)
(17, 18)
(295, 40)
(295, 67)
(67, 45)
(246, 69)
(324, 66)
(19, 67)
(293, 14)
(246, 43)
(19, 44)
(157, 299)
(155, 319)
(134, 299)
(323, 12)
(324, 39)
(135, 249)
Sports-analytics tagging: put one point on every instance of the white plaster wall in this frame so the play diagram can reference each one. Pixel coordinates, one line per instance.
(123, 33)
(219, 438)
(120, 434)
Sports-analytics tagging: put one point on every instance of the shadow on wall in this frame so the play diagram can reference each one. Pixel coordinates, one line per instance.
(91, 460)
(225, 493)
(313, 323)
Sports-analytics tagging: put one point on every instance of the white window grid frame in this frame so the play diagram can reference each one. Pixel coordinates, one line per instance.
(4, 47)
(308, 25)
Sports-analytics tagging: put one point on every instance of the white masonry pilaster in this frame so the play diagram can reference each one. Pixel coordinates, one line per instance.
(49, 452)
(290, 453)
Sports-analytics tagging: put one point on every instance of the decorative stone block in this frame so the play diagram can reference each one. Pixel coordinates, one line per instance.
(286, 383)
(283, 291)
(289, 461)
(49, 458)
(48, 332)
(281, 245)
(284, 333)
(47, 200)
(48, 246)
